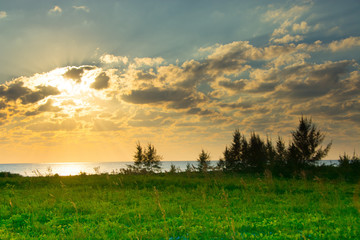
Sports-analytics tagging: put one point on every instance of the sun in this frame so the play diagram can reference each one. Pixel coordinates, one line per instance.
(74, 94)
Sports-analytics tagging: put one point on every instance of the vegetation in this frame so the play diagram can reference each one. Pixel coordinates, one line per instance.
(177, 206)
(239, 199)
(305, 146)
(146, 160)
(203, 161)
(257, 155)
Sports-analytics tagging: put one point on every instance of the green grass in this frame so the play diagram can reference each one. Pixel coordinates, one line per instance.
(180, 206)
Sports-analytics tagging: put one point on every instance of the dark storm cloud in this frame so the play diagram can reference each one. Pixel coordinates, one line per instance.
(176, 98)
(101, 82)
(76, 73)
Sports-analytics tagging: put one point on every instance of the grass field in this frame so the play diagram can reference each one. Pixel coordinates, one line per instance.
(177, 206)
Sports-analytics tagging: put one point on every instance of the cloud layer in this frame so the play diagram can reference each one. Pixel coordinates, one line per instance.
(252, 86)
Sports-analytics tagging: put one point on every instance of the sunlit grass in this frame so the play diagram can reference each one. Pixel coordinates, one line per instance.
(177, 206)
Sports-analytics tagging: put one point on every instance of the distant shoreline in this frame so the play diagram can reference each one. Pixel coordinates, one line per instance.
(76, 168)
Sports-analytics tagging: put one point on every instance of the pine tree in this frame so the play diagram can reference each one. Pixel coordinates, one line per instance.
(270, 152)
(147, 159)
(257, 153)
(234, 157)
(280, 156)
(306, 144)
(203, 161)
(138, 156)
(151, 159)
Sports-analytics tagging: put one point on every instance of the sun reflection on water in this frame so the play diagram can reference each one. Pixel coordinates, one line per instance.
(67, 169)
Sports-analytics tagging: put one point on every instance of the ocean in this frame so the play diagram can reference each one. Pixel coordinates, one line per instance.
(76, 168)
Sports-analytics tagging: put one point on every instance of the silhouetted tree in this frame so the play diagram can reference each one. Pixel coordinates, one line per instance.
(278, 166)
(270, 152)
(173, 169)
(203, 161)
(281, 151)
(146, 159)
(350, 166)
(138, 156)
(257, 153)
(305, 148)
(151, 159)
(234, 157)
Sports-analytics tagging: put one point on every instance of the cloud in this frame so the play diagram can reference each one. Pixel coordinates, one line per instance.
(311, 81)
(14, 91)
(76, 73)
(101, 82)
(43, 92)
(140, 75)
(282, 14)
(104, 125)
(55, 10)
(65, 125)
(154, 95)
(175, 98)
(47, 107)
(236, 86)
(82, 8)
(3, 105)
(159, 122)
(233, 84)
(344, 44)
(301, 27)
(288, 18)
(148, 61)
(288, 38)
(109, 58)
(3, 14)
(199, 111)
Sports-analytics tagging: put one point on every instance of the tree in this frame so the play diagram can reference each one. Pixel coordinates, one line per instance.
(148, 159)
(278, 166)
(270, 152)
(234, 157)
(203, 161)
(305, 148)
(257, 153)
(138, 156)
(280, 155)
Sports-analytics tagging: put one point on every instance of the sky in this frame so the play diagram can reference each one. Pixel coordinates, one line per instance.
(84, 81)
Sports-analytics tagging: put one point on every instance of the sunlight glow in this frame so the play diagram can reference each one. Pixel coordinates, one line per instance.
(75, 94)
(66, 169)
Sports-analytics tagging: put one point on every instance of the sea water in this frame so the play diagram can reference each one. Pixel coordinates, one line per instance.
(76, 168)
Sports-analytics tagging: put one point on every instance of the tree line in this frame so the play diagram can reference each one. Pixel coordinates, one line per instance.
(255, 155)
